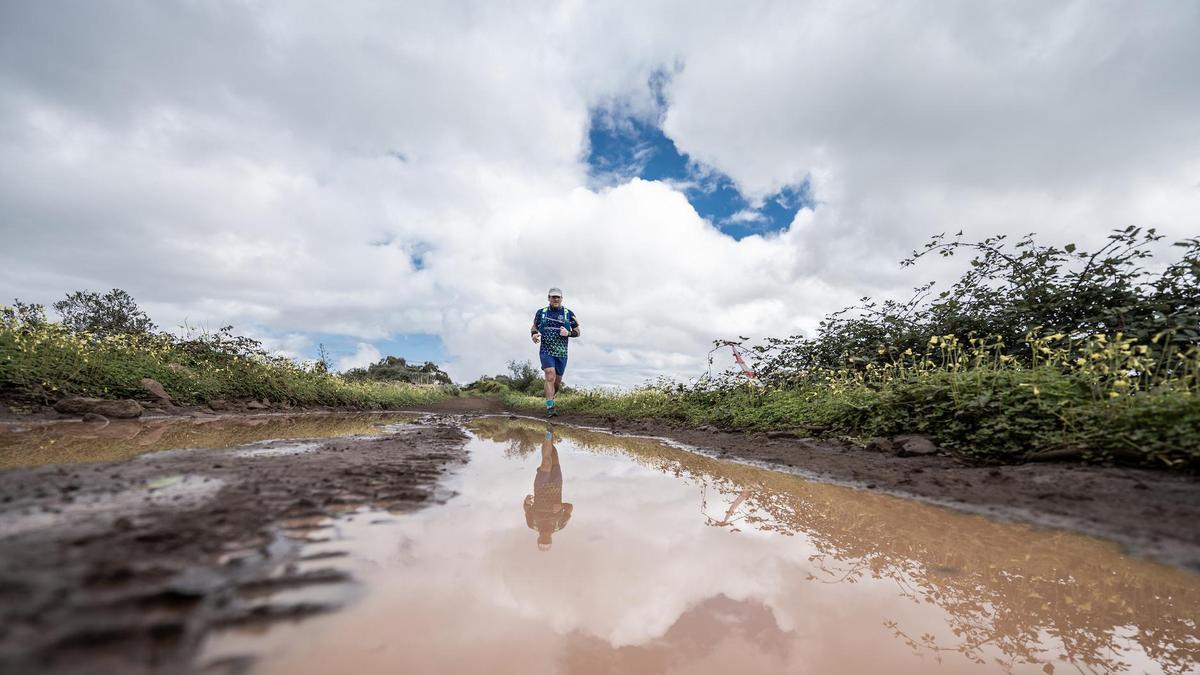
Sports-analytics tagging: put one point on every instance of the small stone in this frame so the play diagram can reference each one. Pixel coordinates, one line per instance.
(255, 405)
(218, 404)
(123, 409)
(882, 445)
(156, 390)
(914, 445)
(94, 417)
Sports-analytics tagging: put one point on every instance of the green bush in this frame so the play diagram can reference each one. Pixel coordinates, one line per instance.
(42, 361)
(1113, 402)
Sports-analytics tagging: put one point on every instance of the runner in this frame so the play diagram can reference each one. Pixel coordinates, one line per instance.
(552, 326)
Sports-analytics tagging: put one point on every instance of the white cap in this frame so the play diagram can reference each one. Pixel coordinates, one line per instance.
(555, 291)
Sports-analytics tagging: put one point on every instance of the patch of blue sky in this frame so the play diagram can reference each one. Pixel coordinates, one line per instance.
(416, 250)
(623, 145)
(413, 347)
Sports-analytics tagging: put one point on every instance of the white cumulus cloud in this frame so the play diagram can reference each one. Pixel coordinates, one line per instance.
(364, 355)
(280, 167)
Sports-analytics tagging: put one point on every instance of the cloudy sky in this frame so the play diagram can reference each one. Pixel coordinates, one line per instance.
(410, 178)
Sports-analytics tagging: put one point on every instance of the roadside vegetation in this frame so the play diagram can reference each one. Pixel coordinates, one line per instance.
(522, 380)
(1035, 352)
(104, 345)
(396, 369)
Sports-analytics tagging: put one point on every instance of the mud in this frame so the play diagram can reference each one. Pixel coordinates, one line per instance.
(123, 566)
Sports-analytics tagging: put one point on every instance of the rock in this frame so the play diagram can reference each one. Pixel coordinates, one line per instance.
(94, 417)
(218, 404)
(255, 405)
(914, 445)
(156, 390)
(125, 409)
(781, 434)
(882, 445)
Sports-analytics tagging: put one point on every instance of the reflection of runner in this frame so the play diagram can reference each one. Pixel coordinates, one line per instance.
(545, 511)
(552, 327)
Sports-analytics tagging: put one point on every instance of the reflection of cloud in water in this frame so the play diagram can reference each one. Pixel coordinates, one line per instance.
(1033, 595)
(73, 442)
(642, 581)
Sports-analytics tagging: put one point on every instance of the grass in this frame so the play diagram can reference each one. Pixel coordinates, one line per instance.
(44, 361)
(1101, 398)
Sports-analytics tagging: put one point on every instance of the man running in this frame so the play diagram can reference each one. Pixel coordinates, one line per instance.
(552, 327)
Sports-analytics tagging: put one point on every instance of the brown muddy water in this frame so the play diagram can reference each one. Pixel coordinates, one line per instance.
(34, 444)
(593, 553)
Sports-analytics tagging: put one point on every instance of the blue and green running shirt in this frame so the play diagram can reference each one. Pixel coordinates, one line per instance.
(548, 321)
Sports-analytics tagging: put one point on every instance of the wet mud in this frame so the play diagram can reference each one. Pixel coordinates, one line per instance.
(123, 566)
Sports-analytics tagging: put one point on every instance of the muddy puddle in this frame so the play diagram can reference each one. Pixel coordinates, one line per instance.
(589, 553)
(23, 445)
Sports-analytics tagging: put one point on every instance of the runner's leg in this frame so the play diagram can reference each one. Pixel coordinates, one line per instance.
(550, 386)
(560, 367)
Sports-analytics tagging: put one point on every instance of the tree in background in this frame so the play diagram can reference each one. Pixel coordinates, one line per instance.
(522, 377)
(113, 313)
(396, 369)
(322, 364)
(27, 315)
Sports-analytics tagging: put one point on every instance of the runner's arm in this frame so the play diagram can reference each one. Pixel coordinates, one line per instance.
(574, 326)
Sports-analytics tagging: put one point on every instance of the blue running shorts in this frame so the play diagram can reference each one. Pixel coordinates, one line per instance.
(558, 363)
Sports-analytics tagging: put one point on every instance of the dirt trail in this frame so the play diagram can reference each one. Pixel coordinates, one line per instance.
(123, 566)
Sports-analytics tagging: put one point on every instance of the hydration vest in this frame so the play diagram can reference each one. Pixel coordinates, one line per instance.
(542, 318)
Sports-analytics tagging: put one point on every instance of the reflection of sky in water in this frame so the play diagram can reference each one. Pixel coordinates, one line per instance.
(117, 440)
(638, 582)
